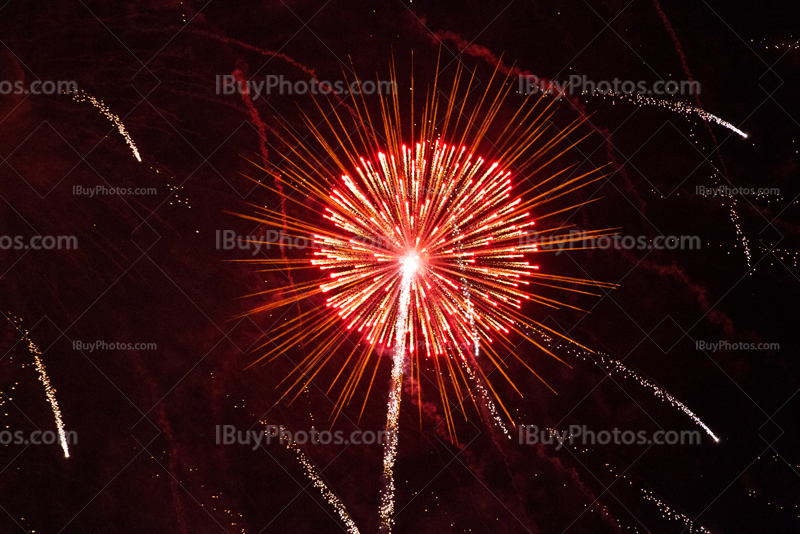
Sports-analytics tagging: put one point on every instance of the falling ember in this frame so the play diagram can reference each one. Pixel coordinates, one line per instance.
(48, 388)
(83, 96)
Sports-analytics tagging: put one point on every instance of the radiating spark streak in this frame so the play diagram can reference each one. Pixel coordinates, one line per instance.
(48, 388)
(669, 513)
(83, 96)
(393, 410)
(327, 494)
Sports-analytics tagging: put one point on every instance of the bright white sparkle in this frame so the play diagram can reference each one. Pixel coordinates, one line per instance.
(410, 264)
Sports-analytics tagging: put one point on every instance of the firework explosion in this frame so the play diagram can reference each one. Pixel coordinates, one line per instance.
(425, 251)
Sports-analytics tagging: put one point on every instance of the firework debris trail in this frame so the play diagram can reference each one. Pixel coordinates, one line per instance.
(487, 406)
(615, 365)
(174, 454)
(393, 409)
(585, 490)
(610, 365)
(677, 106)
(668, 513)
(48, 388)
(262, 144)
(83, 96)
(312, 474)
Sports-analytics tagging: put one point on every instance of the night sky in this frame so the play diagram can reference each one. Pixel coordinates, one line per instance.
(147, 270)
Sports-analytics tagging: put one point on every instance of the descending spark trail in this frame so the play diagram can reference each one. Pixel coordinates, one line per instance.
(410, 266)
(327, 494)
(486, 401)
(662, 394)
(48, 388)
(83, 96)
(610, 365)
(674, 514)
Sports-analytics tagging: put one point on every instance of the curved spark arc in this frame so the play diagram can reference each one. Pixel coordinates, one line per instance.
(83, 96)
(678, 106)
